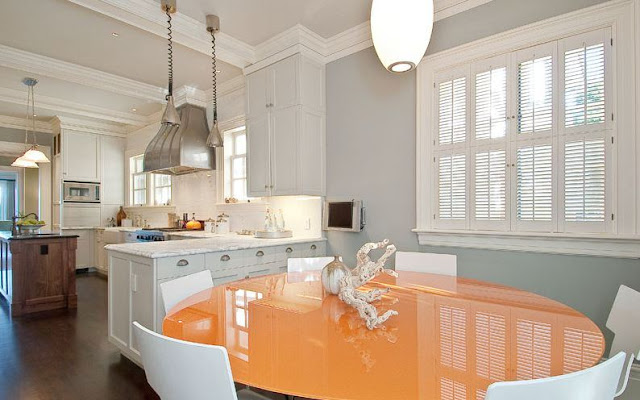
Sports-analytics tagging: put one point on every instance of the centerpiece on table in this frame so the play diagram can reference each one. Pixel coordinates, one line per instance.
(339, 280)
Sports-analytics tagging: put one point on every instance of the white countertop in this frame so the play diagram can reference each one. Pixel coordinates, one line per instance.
(206, 244)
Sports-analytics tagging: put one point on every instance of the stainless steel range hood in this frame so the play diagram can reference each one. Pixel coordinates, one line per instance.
(179, 150)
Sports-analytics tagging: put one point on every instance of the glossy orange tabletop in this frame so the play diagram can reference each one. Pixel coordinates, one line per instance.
(451, 339)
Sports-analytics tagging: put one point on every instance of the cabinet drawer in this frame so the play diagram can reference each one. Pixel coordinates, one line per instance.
(260, 270)
(221, 277)
(223, 260)
(173, 267)
(260, 255)
(316, 249)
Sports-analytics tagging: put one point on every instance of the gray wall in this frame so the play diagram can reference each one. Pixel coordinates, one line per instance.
(371, 156)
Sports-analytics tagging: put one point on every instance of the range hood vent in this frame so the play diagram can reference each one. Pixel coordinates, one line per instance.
(179, 150)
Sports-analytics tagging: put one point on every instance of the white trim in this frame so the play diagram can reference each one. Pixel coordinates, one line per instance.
(190, 95)
(71, 107)
(20, 123)
(12, 149)
(67, 123)
(447, 8)
(549, 243)
(46, 66)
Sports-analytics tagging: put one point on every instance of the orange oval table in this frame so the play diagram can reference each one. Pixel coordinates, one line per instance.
(451, 339)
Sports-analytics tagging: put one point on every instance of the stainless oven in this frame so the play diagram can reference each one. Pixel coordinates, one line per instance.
(80, 192)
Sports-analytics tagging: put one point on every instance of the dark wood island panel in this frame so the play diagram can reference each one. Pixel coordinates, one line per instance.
(37, 273)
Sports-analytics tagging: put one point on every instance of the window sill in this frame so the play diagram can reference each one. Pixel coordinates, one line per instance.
(133, 208)
(243, 206)
(617, 246)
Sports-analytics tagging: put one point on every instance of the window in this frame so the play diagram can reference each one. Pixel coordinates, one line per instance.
(148, 189)
(8, 197)
(235, 163)
(522, 141)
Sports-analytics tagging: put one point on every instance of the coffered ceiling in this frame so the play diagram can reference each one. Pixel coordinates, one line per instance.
(106, 60)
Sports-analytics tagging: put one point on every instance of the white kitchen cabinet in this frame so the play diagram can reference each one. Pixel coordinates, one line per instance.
(134, 282)
(285, 129)
(85, 256)
(80, 155)
(112, 167)
(57, 179)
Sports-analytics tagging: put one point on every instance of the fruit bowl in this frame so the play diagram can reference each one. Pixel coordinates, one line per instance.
(29, 229)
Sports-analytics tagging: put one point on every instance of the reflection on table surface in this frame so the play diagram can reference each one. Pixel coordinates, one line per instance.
(452, 338)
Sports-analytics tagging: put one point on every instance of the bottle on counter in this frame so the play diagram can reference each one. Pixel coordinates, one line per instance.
(120, 216)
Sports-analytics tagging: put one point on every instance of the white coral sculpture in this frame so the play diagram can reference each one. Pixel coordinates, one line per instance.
(365, 271)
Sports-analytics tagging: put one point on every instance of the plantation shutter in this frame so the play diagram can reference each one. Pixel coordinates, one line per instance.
(452, 187)
(584, 86)
(490, 185)
(535, 95)
(452, 103)
(584, 181)
(491, 104)
(534, 193)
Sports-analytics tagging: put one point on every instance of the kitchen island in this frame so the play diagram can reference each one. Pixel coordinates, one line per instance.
(136, 271)
(37, 272)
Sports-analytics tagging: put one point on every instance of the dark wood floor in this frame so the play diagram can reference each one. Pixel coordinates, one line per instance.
(66, 354)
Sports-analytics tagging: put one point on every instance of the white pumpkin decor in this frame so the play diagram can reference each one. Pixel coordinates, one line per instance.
(333, 273)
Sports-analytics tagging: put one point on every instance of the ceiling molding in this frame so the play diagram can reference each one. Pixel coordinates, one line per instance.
(191, 95)
(447, 8)
(53, 68)
(348, 42)
(83, 125)
(20, 123)
(229, 86)
(187, 31)
(70, 107)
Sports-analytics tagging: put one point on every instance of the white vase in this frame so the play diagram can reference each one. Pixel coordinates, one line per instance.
(332, 273)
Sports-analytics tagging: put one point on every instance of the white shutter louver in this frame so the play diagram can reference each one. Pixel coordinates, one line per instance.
(490, 189)
(534, 195)
(584, 86)
(452, 187)
(491, 104)
(535, 95)
(453, 111)
(584, 181)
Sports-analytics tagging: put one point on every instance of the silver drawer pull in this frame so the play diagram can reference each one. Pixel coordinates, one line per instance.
(225, 258)
(313, 247)
(247, 277)
(260, 253)
(289, 250)
(182, 263)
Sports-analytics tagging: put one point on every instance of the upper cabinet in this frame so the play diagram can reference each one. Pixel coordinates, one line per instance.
(112, 167)
(80, 155)
(286, 128)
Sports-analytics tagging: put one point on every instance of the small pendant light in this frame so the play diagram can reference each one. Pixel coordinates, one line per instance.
(401, 31)
(215, 138)
(32, 155)
(170, 116)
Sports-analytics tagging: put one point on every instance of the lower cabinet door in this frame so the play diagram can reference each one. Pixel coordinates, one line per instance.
(225, 276)
(119, 295)
(258, 270)
(142, 299)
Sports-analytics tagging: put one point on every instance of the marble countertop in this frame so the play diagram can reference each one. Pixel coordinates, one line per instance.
(184, 247)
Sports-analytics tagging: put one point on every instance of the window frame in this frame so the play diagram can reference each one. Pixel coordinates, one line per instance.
(621, 204)
(234, 132)
(150, 187)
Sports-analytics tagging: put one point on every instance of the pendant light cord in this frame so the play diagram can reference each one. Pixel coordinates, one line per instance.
(215, 85)
(26, 125)
(33, 117)
(170, 50)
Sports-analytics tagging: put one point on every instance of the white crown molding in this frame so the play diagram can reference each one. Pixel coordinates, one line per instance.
(147, 15)
(20, 123)
(447, 8)
(229, 86)
(59, 123)
(191, 95)
(53, 68)
(70, 107)
(348, 42)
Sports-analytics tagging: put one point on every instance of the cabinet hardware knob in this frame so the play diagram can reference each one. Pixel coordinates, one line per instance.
(247, 277)
(225, 258)
(260, 253)
(289, 250)
(266, 186)
(182, 263)
(313, 247)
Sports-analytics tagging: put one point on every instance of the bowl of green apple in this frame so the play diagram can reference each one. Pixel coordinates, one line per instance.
(28, 226)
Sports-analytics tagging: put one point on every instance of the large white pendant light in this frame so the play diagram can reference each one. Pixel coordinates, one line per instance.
(32, 155)
(401, 31)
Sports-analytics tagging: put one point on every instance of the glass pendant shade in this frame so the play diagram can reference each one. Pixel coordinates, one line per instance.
(170, 116)
(21, 162)
(401, 31)
(35, 155)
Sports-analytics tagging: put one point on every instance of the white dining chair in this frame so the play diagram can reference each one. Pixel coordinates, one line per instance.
(624, 322)
(307, 264)
(596, 383)
(432, 263)
(179, 289)
(179, 370)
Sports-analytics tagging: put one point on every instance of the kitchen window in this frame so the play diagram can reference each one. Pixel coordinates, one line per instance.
(146, 188)
(518, 145)
(235, 163)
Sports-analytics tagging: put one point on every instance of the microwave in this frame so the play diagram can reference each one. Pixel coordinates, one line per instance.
(80, 192)
(346, 216)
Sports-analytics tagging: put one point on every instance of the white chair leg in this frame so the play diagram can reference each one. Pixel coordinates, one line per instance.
(625, 379)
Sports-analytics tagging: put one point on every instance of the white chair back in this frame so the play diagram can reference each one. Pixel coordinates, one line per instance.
(179, 370)
(307, 264)
(596, 383)
(624, 321)
(442, 264)
(179, 289)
